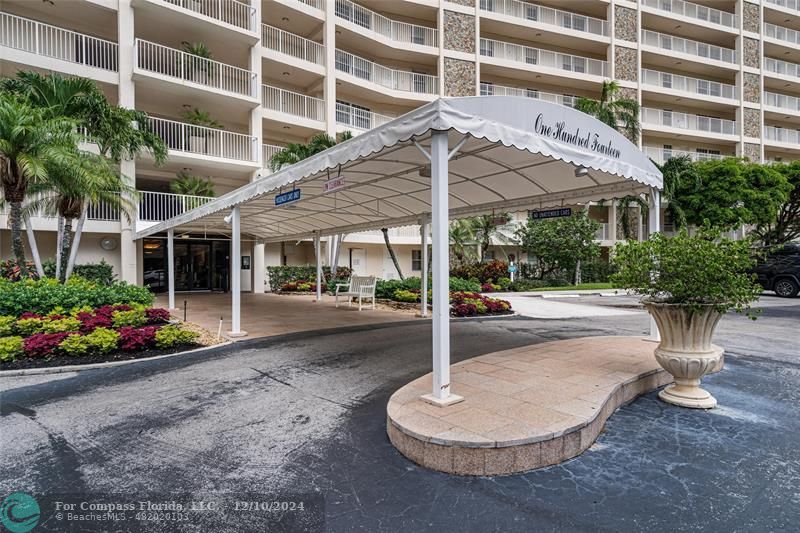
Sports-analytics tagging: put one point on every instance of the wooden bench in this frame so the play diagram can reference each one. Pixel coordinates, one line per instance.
(360, 287)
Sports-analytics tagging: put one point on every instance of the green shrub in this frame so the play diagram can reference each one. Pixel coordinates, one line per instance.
(43, 296)
(7, 325)
(29, 326)
(170, 336)
(134, 317)
(464, 285)
(597, 271)
(75, 345)
(504, 283)
(102, 340)
(61, 325)
(402, 295)
(101, 272)
(10, 348)
(281, 275)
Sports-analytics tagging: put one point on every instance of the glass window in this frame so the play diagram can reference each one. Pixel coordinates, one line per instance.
(416, 260)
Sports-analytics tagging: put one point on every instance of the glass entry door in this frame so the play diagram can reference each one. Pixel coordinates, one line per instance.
(192, 266)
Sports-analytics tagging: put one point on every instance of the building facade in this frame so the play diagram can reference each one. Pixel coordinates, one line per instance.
(714, 78)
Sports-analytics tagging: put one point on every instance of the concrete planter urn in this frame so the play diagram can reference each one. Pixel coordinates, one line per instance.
(686, 352)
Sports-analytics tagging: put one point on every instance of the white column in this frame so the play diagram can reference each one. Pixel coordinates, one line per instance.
(318, 255)
(259, 270)
(440, 395)
(612, 221)
(423, 228)
(126, 97)
(256, 125)
(171, 267)
(654, 226)
(236, 275)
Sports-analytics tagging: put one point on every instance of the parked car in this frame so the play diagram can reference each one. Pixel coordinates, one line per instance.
(780, 271)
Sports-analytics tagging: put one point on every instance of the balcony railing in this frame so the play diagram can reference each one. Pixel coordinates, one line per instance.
(544, 58)
(267, 151)
(174, 63)
(789, 4)
(686, 46)
(401, 32)
(49, 41)
(292, 103)
(360, 119)
(490, 89)
(318, 4)
(160, 206)
(684, 121)
(782, 101)
(399, 80)
(694, 11)
(602, 233)
(697, 86)
(782, 34)
(782, 135)
(783, 68)
(661, 155)
(292, 45)
(232, 12)
(546, 15)
(205, 141)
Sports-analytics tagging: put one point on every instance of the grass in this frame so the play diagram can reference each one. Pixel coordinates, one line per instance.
(582, 286)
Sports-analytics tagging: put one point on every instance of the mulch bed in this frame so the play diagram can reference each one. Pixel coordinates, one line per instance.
(66, 360)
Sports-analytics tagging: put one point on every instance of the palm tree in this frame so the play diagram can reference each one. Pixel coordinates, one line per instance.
(389, 248)
(190, 185)
(617, 111)
(677, 171)
(485, 227)
(624, 205)
(30, 141)
(462, 239)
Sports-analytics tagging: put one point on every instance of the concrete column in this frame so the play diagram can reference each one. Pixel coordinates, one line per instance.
(318, 257)
(236, 274)
(612, 221)
(329, 87)
(171, 267)
(127, 98)
(256, 126)
(423, 229)
(259, 270)
(654, 226)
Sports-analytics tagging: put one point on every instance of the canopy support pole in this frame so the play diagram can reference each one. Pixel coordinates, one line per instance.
(654, 226)
(318, 254)
(440, 395)
(236, 274)
(171, 267)
(423, 229)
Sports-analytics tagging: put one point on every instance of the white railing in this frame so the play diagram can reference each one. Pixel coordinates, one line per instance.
(232, 12)
(401, 32)
(357, 118)
(317, 4)
(661, 155)
(160, 206)
(100, 211)
(490, 89)
(782, 34)
(783, 101)
(49, 41)
(686, 46)
(694, 11)
(543, 58)
(546, 15)
(267, 151)
(292, 103)
(666, 80)
(782, 135)
(685, 121)
(602, 233)
(292, 45)
(205, 141)
(781, 67)
(789, 4)
(174, 63)
(399, 80)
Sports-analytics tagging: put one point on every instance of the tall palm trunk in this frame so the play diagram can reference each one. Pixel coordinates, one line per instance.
(76, 242)
(391, 252)
(66, 236)
(17, 247)
(37, 261)
(59, 243)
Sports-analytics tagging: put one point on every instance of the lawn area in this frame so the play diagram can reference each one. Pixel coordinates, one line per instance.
(582, 286)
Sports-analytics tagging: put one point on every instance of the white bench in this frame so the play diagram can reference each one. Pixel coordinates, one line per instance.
(358, 287)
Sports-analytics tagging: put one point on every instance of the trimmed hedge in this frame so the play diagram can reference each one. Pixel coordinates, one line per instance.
(48, 295)
(386, 288)
(281, 275)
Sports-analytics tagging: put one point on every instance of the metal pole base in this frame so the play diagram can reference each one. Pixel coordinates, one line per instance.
(442, 402)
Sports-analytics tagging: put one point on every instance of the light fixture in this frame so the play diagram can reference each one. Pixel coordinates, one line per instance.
(287, 128)
(228, 218)
(425, 171)
(108, 243)
(153, 245)
(286, 74)
(285, 19)
(581, 171)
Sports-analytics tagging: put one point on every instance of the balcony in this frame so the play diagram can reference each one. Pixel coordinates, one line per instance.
(603, 233)
(160, 206)
(152, 58)
(490, 89)
(50, 42)
(783, 68)
(661, 155)
(788, 4)
(787, 35)
(199, 140)
(782, 135)
(292, 45)
(702, 88)
(357, 118)
(683, 121)
(292, 103)
(398, 80)
(782, 101)
(543, 58)
(546, 15)
(377, 24)
(671, 45)
(233, 12)
(694, 11)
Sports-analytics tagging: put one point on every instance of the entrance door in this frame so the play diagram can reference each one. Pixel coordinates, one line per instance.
(192, 266)
(358, 261)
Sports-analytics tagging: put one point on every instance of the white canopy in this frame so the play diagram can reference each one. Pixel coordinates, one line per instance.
(509, 153)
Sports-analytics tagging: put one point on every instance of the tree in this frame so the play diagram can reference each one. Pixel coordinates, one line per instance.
(558, 244)
(485, 227)
(617, 111)
(624, 213)
(389, 249)
(30, 142)
(462, 240)
(679, 173)
(786, 227)
(729, 193)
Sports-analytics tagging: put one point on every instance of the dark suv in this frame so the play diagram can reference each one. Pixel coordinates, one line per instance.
(780, 271)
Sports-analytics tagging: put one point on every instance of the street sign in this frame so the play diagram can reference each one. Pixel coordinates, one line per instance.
(551, 213)
(287, 197)
(333, 184)
(512, 268)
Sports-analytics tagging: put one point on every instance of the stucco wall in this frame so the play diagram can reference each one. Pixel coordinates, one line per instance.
(88, 252)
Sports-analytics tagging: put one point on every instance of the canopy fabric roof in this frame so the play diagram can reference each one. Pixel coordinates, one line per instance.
(519, 153)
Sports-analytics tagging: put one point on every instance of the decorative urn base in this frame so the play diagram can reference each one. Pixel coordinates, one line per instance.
(686, 352)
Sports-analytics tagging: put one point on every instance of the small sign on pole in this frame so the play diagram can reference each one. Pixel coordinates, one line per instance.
(287, 197)
(333, 184)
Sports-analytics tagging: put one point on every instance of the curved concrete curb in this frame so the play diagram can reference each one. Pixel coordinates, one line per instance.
(92, 366)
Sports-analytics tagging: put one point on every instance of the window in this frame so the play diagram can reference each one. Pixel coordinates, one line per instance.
(531, 56)
(704, 154)
(416, 260)
(666, 118)
(344, 62)
(666, 152)
(417, 35)
(488, 5)
(531, 12)
(709, 88)
(487, 48)
(420, 82)
(488, 255)
(531, 93)
(487, 88)
(576, 22)
(353, 115)
(666, 80)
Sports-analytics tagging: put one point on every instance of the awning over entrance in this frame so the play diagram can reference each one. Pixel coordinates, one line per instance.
(513, 152)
